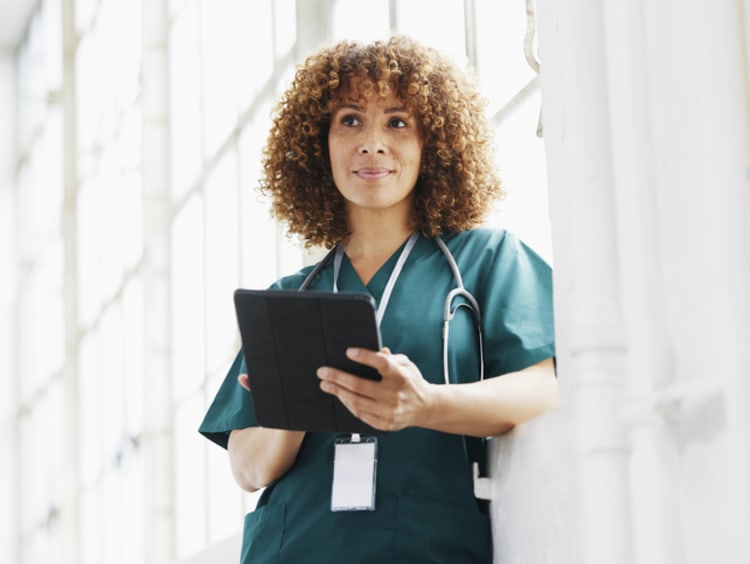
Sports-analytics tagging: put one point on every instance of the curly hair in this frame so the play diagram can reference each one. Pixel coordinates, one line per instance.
(457, 182)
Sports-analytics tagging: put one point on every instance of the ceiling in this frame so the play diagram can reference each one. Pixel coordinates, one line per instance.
(14, 15)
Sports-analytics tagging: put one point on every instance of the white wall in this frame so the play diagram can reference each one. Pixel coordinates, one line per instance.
(646, 128)
(7, 339)
(699, 111)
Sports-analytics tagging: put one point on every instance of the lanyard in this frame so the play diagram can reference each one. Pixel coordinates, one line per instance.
(339, 257)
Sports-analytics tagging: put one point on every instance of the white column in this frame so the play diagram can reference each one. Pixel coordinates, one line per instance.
(697, 63)
(314, 25)
(647, 126)
(71, 513)
(654, 459)
(9, 510)
(158, 448)
(591, 340)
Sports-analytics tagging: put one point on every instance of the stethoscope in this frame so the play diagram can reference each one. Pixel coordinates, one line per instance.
(450, 306)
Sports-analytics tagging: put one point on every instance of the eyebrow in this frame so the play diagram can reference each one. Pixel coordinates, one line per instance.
(393, 110)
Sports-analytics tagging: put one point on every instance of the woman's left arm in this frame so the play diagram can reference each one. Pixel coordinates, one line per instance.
(403, 398)
(494, 405)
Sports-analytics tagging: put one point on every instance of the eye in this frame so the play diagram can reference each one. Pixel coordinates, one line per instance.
(350, 120)
(397, 122)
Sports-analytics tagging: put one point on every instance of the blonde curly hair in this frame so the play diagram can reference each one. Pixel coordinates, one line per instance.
(457, 182)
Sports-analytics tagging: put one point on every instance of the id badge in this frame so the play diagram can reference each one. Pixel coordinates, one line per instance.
(354, 465)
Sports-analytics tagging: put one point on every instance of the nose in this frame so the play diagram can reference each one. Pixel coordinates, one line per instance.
(372, 142)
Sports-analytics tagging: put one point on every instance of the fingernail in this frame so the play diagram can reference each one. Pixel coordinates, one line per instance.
(352, 352)
(322, 372)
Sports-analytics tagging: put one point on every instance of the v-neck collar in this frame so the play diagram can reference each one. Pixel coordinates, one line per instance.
(349, 280)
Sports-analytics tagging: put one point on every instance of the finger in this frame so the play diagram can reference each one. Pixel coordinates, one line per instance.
(362, 407)
(331, 377)
(244, 381)
(401, 359)
(379, 360)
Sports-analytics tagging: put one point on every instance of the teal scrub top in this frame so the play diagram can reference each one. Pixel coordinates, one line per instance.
(425, 510)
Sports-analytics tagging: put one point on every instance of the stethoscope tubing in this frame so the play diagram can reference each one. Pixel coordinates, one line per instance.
(449, 311)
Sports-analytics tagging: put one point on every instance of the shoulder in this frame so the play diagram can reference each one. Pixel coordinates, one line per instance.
(322, 279)
(292, 281)
(487, 242)
(477, 234)
(493, 257)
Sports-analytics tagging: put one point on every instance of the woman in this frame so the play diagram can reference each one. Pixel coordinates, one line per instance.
(383, 152)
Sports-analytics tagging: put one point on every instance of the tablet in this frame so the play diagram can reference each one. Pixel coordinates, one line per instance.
(286, 337)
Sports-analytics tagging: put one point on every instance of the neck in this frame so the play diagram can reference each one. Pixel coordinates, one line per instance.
(374, 229)
(376, 242)
(373, 242)
(376, 236)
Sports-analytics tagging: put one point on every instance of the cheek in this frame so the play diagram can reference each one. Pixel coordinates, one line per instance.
(416, 154)
(415, 147)
(334, 154)
(337, 159)
(337, 148)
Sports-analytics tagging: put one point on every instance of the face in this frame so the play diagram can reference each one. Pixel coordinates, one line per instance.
(375, 151)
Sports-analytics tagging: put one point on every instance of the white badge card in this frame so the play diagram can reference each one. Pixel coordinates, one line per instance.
(354, 464)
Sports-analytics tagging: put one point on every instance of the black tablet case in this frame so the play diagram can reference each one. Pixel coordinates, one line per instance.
(286, 337)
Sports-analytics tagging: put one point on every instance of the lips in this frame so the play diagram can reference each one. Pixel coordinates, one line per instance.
(372, 173)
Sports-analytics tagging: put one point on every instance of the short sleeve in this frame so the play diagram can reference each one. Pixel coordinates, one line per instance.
(517, 308)
(232, 407)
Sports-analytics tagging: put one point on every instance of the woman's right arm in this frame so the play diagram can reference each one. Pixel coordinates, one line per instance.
(259, 455)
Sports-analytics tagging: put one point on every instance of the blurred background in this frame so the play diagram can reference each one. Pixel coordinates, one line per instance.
(129, 157)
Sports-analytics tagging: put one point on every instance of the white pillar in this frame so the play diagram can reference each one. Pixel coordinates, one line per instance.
(9, 510)
(591, 344)
(158, 447)
(647, 127)
(697, 64)
(71, 513)
(314, 25)
(654, 458)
